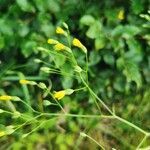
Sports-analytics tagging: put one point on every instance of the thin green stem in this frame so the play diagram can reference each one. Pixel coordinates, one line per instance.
(28, 121)
(130, 124)
(16, 78)
(76, 115)
(111, 112)
(79, 89)
(53, 52)
(55, 71)
(29, 106)
(36, 128)
(87, 67)
(91, 91)
(25, 90)
(140, 144)
(92, 139)
(23, 116)
(11, 106)
(69, 39)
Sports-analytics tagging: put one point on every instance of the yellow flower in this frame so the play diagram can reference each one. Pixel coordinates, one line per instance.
(5, 98)
(24, 81)
(2, 133)
(52, 41)
(78, 44)
(59, 30)
(60, 94)
(59, 47)
(121, 15)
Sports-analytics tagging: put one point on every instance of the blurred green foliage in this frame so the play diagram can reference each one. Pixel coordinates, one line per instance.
(118, 51)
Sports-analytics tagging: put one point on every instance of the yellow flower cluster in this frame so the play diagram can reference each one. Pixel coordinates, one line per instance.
(60, 47)
(121, 15)
(5, 98)
(78, 44)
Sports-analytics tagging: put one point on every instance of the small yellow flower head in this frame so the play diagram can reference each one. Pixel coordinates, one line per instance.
(121, 15)
(78, 44)
(59, 47)
(59, 30)
(2, 133)
(52, 41)
(23, 81)
(60, 94)
(62, 47)
(5, 98)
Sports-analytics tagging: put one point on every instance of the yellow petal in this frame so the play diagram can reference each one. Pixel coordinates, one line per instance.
(59, 95)
(121, 15)
(59, 30)
(5, 97)
(78, 44)
(59, 47)
(52, 41)
(2, 133)
(23, 81)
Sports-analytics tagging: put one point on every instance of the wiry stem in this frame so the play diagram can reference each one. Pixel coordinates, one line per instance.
(143, 140)
(111, 112)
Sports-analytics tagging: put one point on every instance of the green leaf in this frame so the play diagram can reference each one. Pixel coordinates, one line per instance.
(135, 52)
(94, 58)
(25, 6)
(137, 6)
(67, 82)
(87, 20)
(53, 6)
(23, 30)
(116, 32)
(120, 63)
(28, 48)
(2, 42)
(109, 59)
(94, 31)
(40, 5)
(48, 29)
(59, 60)
(127, 31)
(6, 27)
(132, 73)
(67, 72)
(100, 43)
(131, 30)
